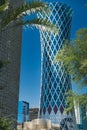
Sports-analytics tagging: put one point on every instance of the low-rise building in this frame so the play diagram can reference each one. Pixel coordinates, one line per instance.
(39, 124)
(33, 113)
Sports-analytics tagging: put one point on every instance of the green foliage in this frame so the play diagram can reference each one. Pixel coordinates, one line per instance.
(69, 101)
(3, 63)
(2, 2)
(27, 9)
(5, 124)
(3, 5)
(14, 14)
(73, 99)
(8, 15)
(74, 56)
(40, 24)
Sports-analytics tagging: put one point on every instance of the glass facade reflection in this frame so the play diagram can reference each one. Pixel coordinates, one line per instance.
(23, 111)
(55, 82)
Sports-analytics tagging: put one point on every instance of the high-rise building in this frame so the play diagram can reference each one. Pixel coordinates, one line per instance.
(80, 113)
(10, 50)
(55, 82)
(23, 111)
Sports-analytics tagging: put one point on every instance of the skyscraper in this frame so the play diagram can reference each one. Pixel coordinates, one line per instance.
(23, 111)
(55, 82)
(10, 50)
(80, 113)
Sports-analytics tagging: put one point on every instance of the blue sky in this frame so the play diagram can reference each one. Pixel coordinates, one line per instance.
(31, 53)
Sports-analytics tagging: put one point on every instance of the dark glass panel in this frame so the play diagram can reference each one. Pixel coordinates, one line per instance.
(49, 109)
(61, 109)
(55, 109)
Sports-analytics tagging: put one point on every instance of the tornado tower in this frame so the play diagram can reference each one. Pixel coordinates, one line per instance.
(55, 82)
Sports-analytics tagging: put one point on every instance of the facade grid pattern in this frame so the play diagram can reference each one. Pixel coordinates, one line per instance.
(55, 82)
(10, 50)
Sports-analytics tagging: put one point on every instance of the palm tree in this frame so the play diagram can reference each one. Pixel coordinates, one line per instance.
(24, 9)
(8, 15)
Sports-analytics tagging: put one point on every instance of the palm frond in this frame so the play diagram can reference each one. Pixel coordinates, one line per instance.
(40, 24)
(24, 9)
(3, 5)
(28, 8)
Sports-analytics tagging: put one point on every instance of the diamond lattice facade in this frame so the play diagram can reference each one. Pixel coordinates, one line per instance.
(55, 82)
